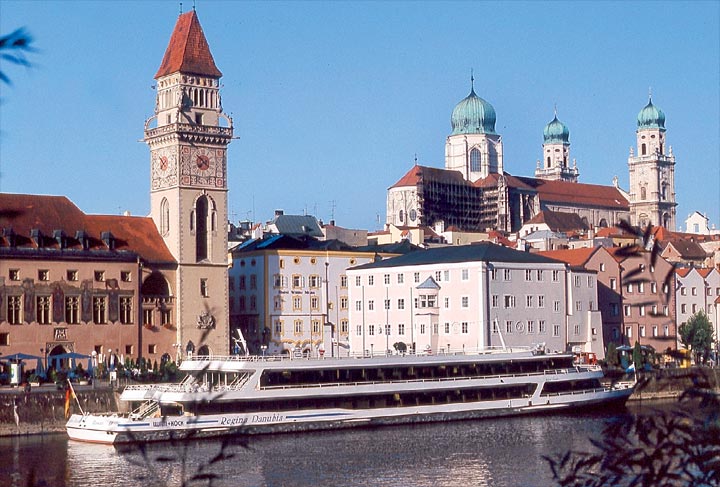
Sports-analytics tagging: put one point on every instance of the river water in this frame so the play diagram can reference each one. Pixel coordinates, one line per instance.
(492, 452)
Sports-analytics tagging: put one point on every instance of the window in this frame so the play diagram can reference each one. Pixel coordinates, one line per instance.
(541, 301)
(626, 310)
(556, 306)
(371, 280)
(628, 331)
(693, 291)
(578, 305)
(495, 301)
(297, 303)
(556, 330)
(602, 266)
(343, 281)
(416, 277)
(509, 301)
(314, 303)
(474, 160)
(152, 349)
(72, 308)
(100, 276)
(666, 330)
(314, 281)
(531, 326)
(298, 327)
(683, 308)
(629, 288)
(493, 274)
(277, 281)
(253, 281)
(42, 309)
(654, 330)
(99, 309)
(465, 302)
(528, 274)
(641, 287)
(14, 310)
(576, 329)
(148, 318)
(507, 275)
(613, 283)
(277, 303)
(446, 328)
(358, 305)
(541, 327)
(591, 305)
(387, 329)
(43, 275)
(14, 274)
(508, 326)
(653, 288)
(539, 275)
(343, 302)
(422, 328)
(495, 328)
(464, 327)
(438, 276)
(464, 274)
(126, 310)
(242, 303)
(371, 330)
(400, 278)
(315, 327)
(665, 310)
(387, 304)
(204, 291)
(278, 327)
(642, 310)
(344, 326)
(253, 303)
(297, 281)
(401, 329)
(371, 305)
(446, 276)
(126, 276)
(358, 330)
(71, 275)
(386, 279)
(165, 317)
(358, 281)
(614, 309)
(401, 303)
(590, 281)
(642, 330)
(555, 276)
(577, 281)
(243, 280)
(529, 301)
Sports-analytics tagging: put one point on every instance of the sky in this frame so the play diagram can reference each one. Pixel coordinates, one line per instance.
(333, 101)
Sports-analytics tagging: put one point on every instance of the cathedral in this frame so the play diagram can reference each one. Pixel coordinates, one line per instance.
(473, 193)
(108, 285)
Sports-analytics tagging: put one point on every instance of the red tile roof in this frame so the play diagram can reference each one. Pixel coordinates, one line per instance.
(20, 214)
(574, 257)
(578, 193)
(683, 271)
(559, 221)
(188, 50)
(418, 173)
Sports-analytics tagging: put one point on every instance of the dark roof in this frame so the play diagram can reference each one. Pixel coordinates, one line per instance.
(36, 221)
(559, 221)
(188, 50)
(484, 251)
(687, 249)
(297, 225)
(289, 242)
(402, 247)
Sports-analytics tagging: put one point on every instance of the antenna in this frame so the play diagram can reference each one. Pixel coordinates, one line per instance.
(332, 209)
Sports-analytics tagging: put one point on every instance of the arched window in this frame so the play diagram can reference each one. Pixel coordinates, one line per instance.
(548, 162)
(201, 218)
(401, 217)
(474, 160)
(643, 149)
(164, 217)
(603, 223)
(663, 195)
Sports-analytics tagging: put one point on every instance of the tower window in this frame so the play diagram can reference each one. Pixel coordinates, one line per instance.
(201, 214)
(199, 118)
(164, 217)
(474, 160)
(643, 149)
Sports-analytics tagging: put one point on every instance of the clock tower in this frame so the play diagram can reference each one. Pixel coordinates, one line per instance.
(188, 137)
(652, 172)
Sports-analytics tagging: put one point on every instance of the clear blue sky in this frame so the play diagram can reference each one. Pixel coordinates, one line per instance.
(332, 100)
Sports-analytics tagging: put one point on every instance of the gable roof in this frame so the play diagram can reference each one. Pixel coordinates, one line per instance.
(559, 221)
(687, 249)
(306, 225)
(49, 217)
(577, 194)
(417, 174)
(481, 252)
(574, 257)
(188, 50)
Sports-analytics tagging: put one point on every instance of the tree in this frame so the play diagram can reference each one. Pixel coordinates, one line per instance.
(697, 335)
(13, 48)
(611, 356)
(637, 356)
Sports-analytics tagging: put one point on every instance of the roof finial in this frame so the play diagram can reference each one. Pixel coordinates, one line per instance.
(472, 81)
(416, 158)
(555, 110)
(193, 5)
(180, 8)
(650, 93)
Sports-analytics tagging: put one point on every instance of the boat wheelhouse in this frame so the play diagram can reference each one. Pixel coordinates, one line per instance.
(247, 395)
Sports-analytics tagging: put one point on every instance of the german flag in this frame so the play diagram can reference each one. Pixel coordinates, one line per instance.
(69, 394)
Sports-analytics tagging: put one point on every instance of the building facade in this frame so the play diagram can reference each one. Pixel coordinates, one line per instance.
(468, 298)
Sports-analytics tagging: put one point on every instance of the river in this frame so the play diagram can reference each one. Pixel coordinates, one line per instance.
(492, 452)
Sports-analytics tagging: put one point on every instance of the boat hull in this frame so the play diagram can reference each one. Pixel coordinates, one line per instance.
(114, 429)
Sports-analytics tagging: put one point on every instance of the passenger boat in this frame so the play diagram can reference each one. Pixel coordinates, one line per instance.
(248, 394)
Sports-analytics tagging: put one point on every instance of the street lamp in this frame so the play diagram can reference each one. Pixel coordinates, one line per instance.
(263, 348)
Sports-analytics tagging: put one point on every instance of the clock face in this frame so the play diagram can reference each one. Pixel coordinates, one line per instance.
(202, 161)
(202, 166)
(164, 164)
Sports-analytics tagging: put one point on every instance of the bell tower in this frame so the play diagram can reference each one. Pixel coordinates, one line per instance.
(188, 137)
(652, 172)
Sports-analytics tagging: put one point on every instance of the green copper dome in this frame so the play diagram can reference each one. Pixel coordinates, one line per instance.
(473, 115)
(651, 117)
(556, 132)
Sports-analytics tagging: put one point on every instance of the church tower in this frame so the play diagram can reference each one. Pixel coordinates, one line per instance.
(473, 147)
(652, 172)
(188, 137)
(556, 154)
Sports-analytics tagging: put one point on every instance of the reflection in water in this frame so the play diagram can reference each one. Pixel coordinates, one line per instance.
(499, 452)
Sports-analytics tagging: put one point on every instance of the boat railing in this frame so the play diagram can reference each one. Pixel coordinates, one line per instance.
(148, 408)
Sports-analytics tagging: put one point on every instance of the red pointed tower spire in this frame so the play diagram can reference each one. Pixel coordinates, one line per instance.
(188, 51)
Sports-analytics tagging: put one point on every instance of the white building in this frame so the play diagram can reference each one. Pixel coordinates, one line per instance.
(470, 297)
(697, 290)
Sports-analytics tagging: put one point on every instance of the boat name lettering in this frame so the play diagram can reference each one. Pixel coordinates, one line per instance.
(168, 423)
(267, 419)
(233, 421)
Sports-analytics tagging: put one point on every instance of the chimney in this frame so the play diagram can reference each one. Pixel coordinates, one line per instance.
(279, 213)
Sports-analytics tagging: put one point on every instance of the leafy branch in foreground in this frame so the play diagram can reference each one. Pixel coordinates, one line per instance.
(13, 48)
(662, 449)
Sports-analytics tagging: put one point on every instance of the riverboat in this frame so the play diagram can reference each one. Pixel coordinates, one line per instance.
(250, 394)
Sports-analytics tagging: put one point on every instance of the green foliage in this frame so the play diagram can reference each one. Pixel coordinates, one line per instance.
(611, 356)
(400, 347)
(697, 335)
(637, 356)
(13, 48)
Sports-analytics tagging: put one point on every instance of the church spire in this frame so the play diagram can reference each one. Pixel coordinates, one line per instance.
(188, 51)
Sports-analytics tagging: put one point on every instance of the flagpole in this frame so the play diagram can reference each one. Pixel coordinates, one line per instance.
(72, 390)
